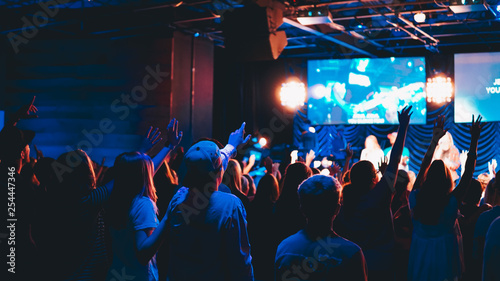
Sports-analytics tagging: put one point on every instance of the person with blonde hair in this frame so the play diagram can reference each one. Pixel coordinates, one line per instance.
(449, 154)
(372, 151)
(132, 213)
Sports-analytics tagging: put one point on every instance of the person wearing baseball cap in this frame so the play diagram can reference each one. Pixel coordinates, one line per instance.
(207, 228)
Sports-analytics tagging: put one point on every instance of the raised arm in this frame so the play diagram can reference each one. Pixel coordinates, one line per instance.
(397, 150)
(236, 141)
(27, 111)
(348, 156)
(437, 133)
(173, 139)
(470, 165)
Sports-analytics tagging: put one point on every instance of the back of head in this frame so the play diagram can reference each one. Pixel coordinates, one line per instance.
(267, 190)
(484, 179)
(363, 174)
(204, 166)
(45, 173)
(319, 197)
(433, 196)
(232, 176)
(79, 178)
(244, 186)
(492, 194)
(251, 185)
(362, 177)
(295, 174)
(371, 142)
(401, 182)
(13, 141)
(473, 195)
(134, 173)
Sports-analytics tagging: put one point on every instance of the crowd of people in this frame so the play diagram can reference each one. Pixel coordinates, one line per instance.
(139, 220)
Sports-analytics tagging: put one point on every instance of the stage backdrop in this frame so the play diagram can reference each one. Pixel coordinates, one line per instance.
(417, 140)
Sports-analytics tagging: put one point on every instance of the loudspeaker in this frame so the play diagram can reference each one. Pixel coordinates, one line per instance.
(250, 33)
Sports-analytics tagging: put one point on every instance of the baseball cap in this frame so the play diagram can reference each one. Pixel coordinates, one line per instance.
(13, 140)
(204, 156)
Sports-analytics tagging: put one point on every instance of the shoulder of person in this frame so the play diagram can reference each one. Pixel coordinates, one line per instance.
(294, 239)
(348, 246)
(227, 198)
(142, 202)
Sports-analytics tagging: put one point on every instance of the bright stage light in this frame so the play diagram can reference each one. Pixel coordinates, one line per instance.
(312, 130)
(318, 91)
(262, 142)
(293, 94)
(439, 89)
(419, 17)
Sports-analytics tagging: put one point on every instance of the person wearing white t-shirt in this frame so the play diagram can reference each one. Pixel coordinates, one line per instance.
(372, 151)
(136, 233)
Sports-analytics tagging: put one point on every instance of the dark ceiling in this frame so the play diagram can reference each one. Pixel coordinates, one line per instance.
(360, 28)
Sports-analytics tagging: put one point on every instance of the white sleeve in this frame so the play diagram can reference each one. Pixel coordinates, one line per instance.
(227, 153)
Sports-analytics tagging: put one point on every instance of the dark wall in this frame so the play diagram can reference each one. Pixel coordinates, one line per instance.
(249, 91)
(98, 95)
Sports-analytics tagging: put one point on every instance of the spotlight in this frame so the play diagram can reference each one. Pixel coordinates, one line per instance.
(312, 130)
(262, 142)
(439, 89)
(293, 94)
(197, 34)
(314, 16)
(419, 17)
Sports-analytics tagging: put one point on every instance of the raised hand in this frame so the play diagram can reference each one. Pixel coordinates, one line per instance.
(438, 131)
(492, 167)
(268, 163)
(27, 111)
(475, 128)
(39, 153)
(251, 160)
(404, 116)
(99, 171)
(348, 151)
(293, 156)
(150, 139)
(334, 169)
(310, 157)
(236, 139)
(174, 137)
(384, 163)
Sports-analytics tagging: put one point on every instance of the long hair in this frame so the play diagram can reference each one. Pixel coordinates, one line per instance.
(232, 176)
(374, 141)
(77, 179)
(492, 192)
(362, 178)
(295, 174)
(267, 190)
(434, 193)
(134, 177)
